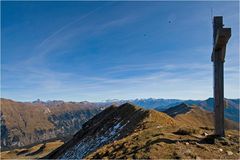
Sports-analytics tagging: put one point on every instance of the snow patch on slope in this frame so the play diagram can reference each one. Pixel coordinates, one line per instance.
(90, 144)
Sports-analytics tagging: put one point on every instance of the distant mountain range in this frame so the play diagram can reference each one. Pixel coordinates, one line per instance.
(231, 105)
(148, 103)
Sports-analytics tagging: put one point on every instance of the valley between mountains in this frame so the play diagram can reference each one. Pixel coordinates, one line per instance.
(70, 130)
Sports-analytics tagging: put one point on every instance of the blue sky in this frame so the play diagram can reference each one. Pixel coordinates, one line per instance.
(95, 51)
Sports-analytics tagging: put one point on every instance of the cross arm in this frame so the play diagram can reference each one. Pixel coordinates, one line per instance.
(222, 37)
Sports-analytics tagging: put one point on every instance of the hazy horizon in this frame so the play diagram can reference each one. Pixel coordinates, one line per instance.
(110, 100)
(95, 51)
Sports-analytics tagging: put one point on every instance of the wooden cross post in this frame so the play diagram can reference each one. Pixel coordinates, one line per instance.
(220, 38)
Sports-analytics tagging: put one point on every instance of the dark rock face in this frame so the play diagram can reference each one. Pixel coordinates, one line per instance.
(65, 124)
(4, 132)
(19, 139)
(179, 109)
(70, 122)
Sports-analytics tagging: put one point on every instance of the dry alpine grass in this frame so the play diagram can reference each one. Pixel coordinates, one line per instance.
(34, 152)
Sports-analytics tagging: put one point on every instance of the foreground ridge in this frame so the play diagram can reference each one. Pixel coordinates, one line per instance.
(129, 131)
(112, 124)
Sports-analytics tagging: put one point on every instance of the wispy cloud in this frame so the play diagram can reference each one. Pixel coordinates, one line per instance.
(121, 52)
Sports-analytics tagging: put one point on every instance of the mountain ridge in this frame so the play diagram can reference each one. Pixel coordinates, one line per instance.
(192, 115)
(124, 120)
(129, 131)
(71, 116)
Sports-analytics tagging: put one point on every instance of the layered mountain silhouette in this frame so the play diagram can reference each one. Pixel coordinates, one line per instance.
(194, 116)
(129, 131)
(231, 110)
(231, 105)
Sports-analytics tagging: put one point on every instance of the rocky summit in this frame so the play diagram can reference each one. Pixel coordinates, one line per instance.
(129, 131)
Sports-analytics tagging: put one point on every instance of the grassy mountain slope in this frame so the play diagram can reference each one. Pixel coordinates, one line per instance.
(153, 140)
(34, 152)
(131, 132)
(231, 106)
(26, 123)
(194, 116)
(112, 124)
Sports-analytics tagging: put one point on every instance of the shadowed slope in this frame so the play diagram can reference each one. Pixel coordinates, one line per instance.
(179, 109)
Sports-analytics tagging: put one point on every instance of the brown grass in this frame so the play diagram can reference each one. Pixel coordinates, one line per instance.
(160, 137)
(14, 154)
